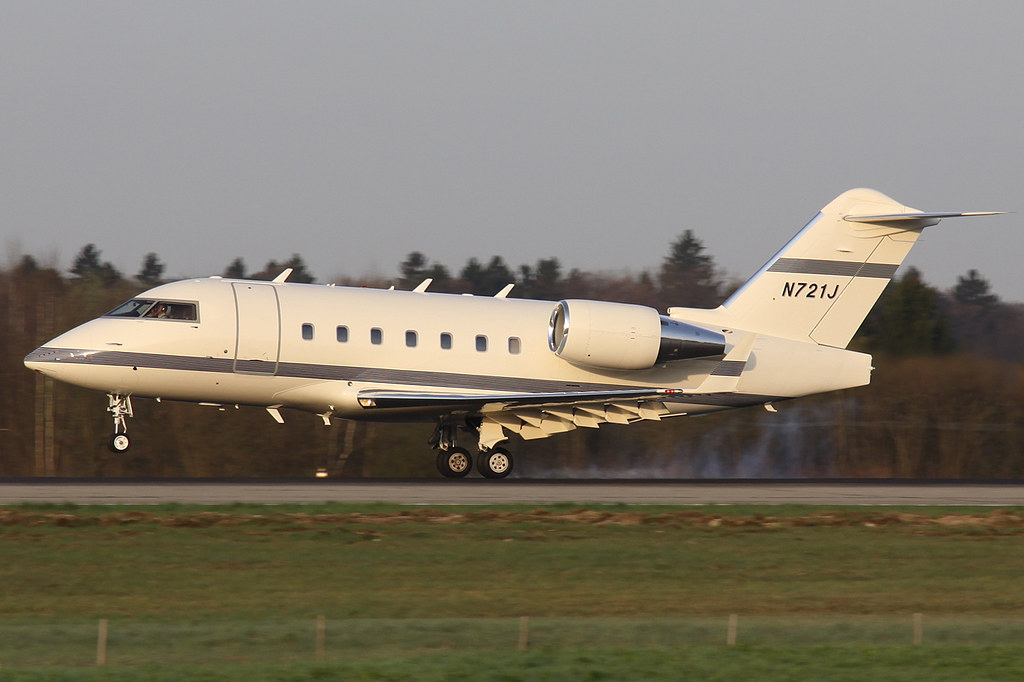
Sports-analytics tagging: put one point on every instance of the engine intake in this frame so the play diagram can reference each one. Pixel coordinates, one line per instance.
(624, 336)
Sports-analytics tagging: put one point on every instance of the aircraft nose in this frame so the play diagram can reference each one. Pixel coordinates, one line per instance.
(42, 359)
(74, 366)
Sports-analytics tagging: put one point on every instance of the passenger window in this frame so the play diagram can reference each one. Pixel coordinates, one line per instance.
(446, 341)
(376, 336)
(410, 338)
(514, 345)
(342, 333)
(481, 343)
(307, 331)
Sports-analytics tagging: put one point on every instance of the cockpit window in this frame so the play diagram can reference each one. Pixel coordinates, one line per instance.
(136, 307)
(164, 310)
(172, 311)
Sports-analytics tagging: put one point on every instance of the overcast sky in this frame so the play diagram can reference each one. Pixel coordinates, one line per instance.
(355, 132)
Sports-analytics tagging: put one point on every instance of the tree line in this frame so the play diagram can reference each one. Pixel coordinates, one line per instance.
(945, 400)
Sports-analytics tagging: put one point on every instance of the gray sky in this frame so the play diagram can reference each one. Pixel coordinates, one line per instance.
(355, 132)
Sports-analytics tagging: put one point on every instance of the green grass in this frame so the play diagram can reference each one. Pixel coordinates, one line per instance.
(437, 593)
(768, 664)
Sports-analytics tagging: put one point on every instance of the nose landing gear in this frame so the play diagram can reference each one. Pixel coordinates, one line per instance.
(120, 406)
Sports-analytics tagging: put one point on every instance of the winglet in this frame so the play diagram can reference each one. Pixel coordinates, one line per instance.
(283, 276)
(422, 288)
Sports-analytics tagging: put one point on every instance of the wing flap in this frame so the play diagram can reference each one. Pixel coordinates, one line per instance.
(539, 415)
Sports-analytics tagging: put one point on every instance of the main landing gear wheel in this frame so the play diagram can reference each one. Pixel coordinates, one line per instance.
(496, 463)
(454, 462)
(119, 442)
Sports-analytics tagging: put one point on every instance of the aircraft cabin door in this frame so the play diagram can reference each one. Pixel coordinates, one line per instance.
(258, 340)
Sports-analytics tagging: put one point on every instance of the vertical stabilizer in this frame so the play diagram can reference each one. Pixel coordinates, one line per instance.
(822, 284)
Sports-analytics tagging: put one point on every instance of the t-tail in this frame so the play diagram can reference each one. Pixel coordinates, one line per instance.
(821, 285)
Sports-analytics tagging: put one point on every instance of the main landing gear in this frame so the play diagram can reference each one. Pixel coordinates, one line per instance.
(456, 462)
(120, 406)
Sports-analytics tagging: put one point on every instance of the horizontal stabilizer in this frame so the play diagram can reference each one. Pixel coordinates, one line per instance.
(915, 219)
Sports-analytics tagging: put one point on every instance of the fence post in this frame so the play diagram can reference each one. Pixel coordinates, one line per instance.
(101, 643)
(918, 628)
(321, 632)
(524, 632)
(730, 637)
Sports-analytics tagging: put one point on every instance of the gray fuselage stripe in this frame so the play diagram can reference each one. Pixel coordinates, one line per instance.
(374, 375)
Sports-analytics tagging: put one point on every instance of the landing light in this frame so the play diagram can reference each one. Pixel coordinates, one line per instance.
(321, 473)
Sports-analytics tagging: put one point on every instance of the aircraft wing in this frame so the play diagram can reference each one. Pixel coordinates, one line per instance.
(538, 415)
(532, 415)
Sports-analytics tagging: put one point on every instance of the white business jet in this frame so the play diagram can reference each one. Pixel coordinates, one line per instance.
(490, 367)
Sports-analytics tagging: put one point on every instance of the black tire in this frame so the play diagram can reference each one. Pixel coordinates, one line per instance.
(495, 463)
(454, 462)
(119, 442)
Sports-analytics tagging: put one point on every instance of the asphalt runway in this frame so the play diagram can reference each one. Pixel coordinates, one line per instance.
(482, 492)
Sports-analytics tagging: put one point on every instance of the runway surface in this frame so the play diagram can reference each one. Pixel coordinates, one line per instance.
(482, 492)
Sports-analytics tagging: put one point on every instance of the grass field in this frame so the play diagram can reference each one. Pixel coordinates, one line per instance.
(612, 592)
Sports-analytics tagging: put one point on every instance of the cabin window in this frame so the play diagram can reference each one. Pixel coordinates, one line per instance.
(446, 341)
(515, 346)
(342, 334)
(410, 338)
(376, 336)
(307, 331)
(481, 343)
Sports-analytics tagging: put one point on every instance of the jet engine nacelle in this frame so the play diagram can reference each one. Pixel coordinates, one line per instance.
(624, 336)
